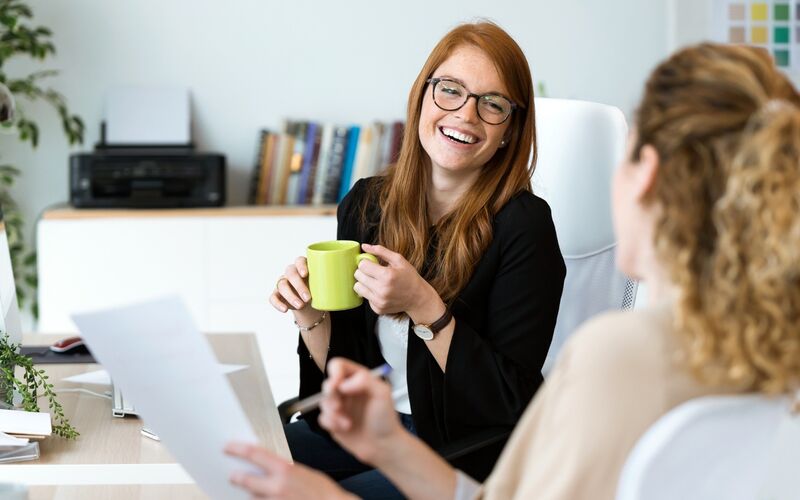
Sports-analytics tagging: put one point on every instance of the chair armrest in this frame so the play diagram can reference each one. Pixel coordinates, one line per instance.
(472, 443)
(283, 409)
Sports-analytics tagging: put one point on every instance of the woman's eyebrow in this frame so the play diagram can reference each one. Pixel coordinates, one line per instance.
(448, 77)
(458, 80)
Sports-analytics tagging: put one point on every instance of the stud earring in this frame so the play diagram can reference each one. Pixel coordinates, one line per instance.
(502, 143)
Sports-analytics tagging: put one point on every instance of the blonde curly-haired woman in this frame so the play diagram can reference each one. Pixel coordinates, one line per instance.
(707, 213)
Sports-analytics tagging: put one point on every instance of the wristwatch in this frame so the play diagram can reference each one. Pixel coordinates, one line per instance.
(427, 332)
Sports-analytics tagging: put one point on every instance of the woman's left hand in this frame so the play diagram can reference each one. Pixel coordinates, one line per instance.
(393, 288)
(281, 479)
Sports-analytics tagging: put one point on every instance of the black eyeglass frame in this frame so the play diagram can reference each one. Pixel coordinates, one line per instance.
(435, 81)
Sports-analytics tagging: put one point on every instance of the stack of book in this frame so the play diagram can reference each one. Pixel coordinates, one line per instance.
(308, 163)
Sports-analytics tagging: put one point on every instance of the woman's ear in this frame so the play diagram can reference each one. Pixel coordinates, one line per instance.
(646, 171)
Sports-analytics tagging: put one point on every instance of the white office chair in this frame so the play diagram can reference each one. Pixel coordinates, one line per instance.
(717, 447)
(580, 145)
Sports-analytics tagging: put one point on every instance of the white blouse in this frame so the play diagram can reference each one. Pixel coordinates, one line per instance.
(393, 338)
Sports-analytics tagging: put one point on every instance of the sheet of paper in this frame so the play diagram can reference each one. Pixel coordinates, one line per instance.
(96, 377)
(138, 115)
(7, 441)
(101, 377)
(25, 422)
(161, 361)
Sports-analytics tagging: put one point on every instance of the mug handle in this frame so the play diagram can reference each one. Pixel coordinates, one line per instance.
(367, 256)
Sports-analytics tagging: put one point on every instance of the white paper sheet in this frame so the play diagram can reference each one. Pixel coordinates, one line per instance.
(101, 377)
(159, 359)
(7, 441)
(148, 116)
(25, 422)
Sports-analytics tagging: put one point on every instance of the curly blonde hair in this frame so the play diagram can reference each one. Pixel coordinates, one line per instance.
(726, 125)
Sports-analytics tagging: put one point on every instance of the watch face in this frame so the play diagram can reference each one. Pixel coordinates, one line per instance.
(423, 332)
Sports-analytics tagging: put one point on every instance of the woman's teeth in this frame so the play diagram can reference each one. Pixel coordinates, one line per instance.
(458, 136)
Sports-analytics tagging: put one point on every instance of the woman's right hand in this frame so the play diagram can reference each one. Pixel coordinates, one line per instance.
(291, 290)
(358, 410)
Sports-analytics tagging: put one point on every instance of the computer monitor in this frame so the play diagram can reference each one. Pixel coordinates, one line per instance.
(9, 319)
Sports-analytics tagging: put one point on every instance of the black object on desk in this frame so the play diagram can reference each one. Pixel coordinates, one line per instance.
(42, 355)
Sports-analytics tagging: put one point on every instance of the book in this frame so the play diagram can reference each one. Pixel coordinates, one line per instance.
(323, 162)
(255, 179)
(333, 177)
(310, 153)
(265, 169)
(25, 424)
(398, 129)
(296, 163)
(376, 159)
(361, 166)
(282, 165)
(349, 158)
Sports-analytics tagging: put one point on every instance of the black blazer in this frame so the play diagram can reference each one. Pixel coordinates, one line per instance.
(505, 318)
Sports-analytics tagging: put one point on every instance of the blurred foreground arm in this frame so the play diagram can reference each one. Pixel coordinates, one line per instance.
(359, 413)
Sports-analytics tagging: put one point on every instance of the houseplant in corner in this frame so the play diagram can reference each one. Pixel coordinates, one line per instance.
(33, 383)
(19, 38)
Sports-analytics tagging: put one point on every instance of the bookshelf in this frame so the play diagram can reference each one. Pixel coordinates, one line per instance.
(306, 163)
(232, 211)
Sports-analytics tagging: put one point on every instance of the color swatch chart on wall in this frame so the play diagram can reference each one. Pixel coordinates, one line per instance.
(774, 25)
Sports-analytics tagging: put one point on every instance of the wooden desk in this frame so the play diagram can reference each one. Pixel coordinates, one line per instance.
(111, 459)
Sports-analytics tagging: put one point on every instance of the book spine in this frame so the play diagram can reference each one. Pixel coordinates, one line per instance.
(255, 179)
(266, 170)
(269, 180)
(335, 164)
(312, 175)
(308, 157)
(376, 159)
(347, 168)
(323, 162)
(398, 129)
(285, 164)
(296, 164)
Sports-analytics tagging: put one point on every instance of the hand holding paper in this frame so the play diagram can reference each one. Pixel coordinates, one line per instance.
(159, 359)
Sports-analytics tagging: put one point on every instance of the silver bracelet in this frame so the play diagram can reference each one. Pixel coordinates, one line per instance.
(311, 327)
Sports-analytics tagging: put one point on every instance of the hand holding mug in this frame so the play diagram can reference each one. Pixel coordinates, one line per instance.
(291, 290)
(331, 269)
(393, 288)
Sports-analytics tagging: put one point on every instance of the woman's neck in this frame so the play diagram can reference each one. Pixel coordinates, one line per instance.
(444, 191)
(659, 287)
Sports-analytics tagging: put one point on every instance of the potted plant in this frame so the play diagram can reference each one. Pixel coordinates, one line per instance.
(17, 38)
(30, 386)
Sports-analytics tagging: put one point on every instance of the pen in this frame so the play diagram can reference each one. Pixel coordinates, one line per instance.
(150, 434)
(313, 402)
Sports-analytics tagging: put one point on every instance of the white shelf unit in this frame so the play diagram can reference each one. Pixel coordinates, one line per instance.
(222, 262)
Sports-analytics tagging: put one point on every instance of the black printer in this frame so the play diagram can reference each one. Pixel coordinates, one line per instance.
(146, 177)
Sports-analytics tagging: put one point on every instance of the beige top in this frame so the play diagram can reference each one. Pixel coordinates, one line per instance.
(617, 375)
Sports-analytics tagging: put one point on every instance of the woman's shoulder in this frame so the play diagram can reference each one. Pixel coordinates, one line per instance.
(360, 194)
(525, 216)
(622, 338)
(524, 207)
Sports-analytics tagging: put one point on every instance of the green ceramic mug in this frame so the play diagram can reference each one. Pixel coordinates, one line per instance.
(331, 269)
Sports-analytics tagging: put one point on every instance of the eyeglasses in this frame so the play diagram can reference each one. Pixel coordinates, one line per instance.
(450, 95)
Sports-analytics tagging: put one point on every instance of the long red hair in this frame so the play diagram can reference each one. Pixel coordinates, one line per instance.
(465, 232)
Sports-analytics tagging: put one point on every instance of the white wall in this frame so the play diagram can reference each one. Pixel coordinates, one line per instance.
(251, 62)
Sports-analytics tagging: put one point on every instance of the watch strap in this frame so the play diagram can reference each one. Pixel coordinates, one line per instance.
(442, 322)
